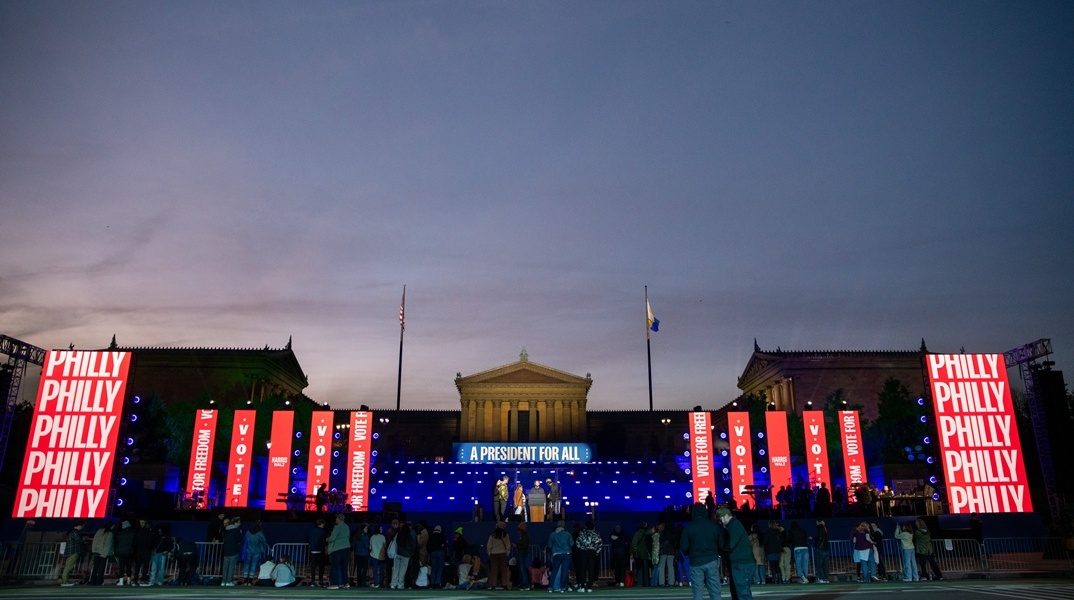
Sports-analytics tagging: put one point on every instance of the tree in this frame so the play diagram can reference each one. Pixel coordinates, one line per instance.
(898, 425)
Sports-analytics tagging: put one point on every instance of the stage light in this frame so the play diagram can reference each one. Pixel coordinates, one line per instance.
(760, 435)
(723, 435)
(336, 435)
(137, 399)
(373, 471)
(122, 481)
(761, 452)
(134, 417)
(921, 402)
(908, 457)
(726, 470)
(294, 471)
(687, 471)
(373, 453)
(376, 435)
(335, 471)
(119, 501)
(126, 460)
(764, 469)
(298, 434)
(298, 452)
(929, 460)
(294, 490)
(130, 441)
(727, 490)
(373, 491)
(335, 454)
(686, 454)
(924, 419)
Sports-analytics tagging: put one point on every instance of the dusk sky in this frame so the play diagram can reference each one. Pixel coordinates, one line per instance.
(815, 175)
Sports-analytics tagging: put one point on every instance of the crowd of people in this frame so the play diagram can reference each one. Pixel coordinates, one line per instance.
(713, 547)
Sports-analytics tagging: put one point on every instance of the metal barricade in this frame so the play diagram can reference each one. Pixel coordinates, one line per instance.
(1026, 554)
(299, 553)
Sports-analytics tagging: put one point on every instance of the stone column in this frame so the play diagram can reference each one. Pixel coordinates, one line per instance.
(512, 419)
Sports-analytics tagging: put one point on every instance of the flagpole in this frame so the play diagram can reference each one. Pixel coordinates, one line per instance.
(402, 328)
(648, 349)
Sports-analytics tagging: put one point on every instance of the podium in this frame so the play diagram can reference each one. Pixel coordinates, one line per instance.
(536, 514)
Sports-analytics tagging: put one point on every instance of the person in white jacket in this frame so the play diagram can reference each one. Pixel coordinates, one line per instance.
(905, 534)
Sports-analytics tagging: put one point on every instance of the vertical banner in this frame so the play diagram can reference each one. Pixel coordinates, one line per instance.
(201, 457)
(361, 432)
(779, 451)
(238, 469)
(320, 455)
(278, 480)
(701, 456)
(853, 455)
(816, 448)
(67, 469)
(981, 450)
(738, 433)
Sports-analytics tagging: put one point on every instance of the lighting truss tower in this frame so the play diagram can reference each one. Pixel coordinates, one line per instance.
(1026, 358)
(19, 354)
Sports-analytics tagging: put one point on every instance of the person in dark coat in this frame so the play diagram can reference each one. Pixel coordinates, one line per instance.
(144, 542)
(701, 542)
(124, 547)
(188, 560)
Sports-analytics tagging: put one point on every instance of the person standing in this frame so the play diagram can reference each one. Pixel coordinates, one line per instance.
(188, 560)
(641, 549)
(498, 547)
(378, 547)
(519, 502)
(822, 502)
(144, 543)
(905, 534)
(739, 552)
(231, 550)
(863, 550)
(360, 544)
(554, 508)
(589, 545)
(536, 499)
(800, 546)
(525, 557)
(499, 499)
(560, 543)
(773, 547)
(620, 548)
(163, 549)
(758, 554)
(820, 553)
(256, 550)
(102, 548)
(923, 551)
(125, 553)
(437, 547)
(665, 557)
(877, 537)
(405, 547)
(701, 542)
(72, 552)
(339, 546)
(317, 538)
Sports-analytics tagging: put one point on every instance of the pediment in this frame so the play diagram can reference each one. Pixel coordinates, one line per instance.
(523, 372)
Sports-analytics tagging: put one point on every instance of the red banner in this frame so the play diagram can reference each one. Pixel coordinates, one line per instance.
(701, 456)
(816, 448)
(779, 451)
(361, 432)
(320, 457)
(201, 456)
(853, 453)
(981, 450)
(738, 433)
(238, 470)
(67, 469)
(277, 482)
